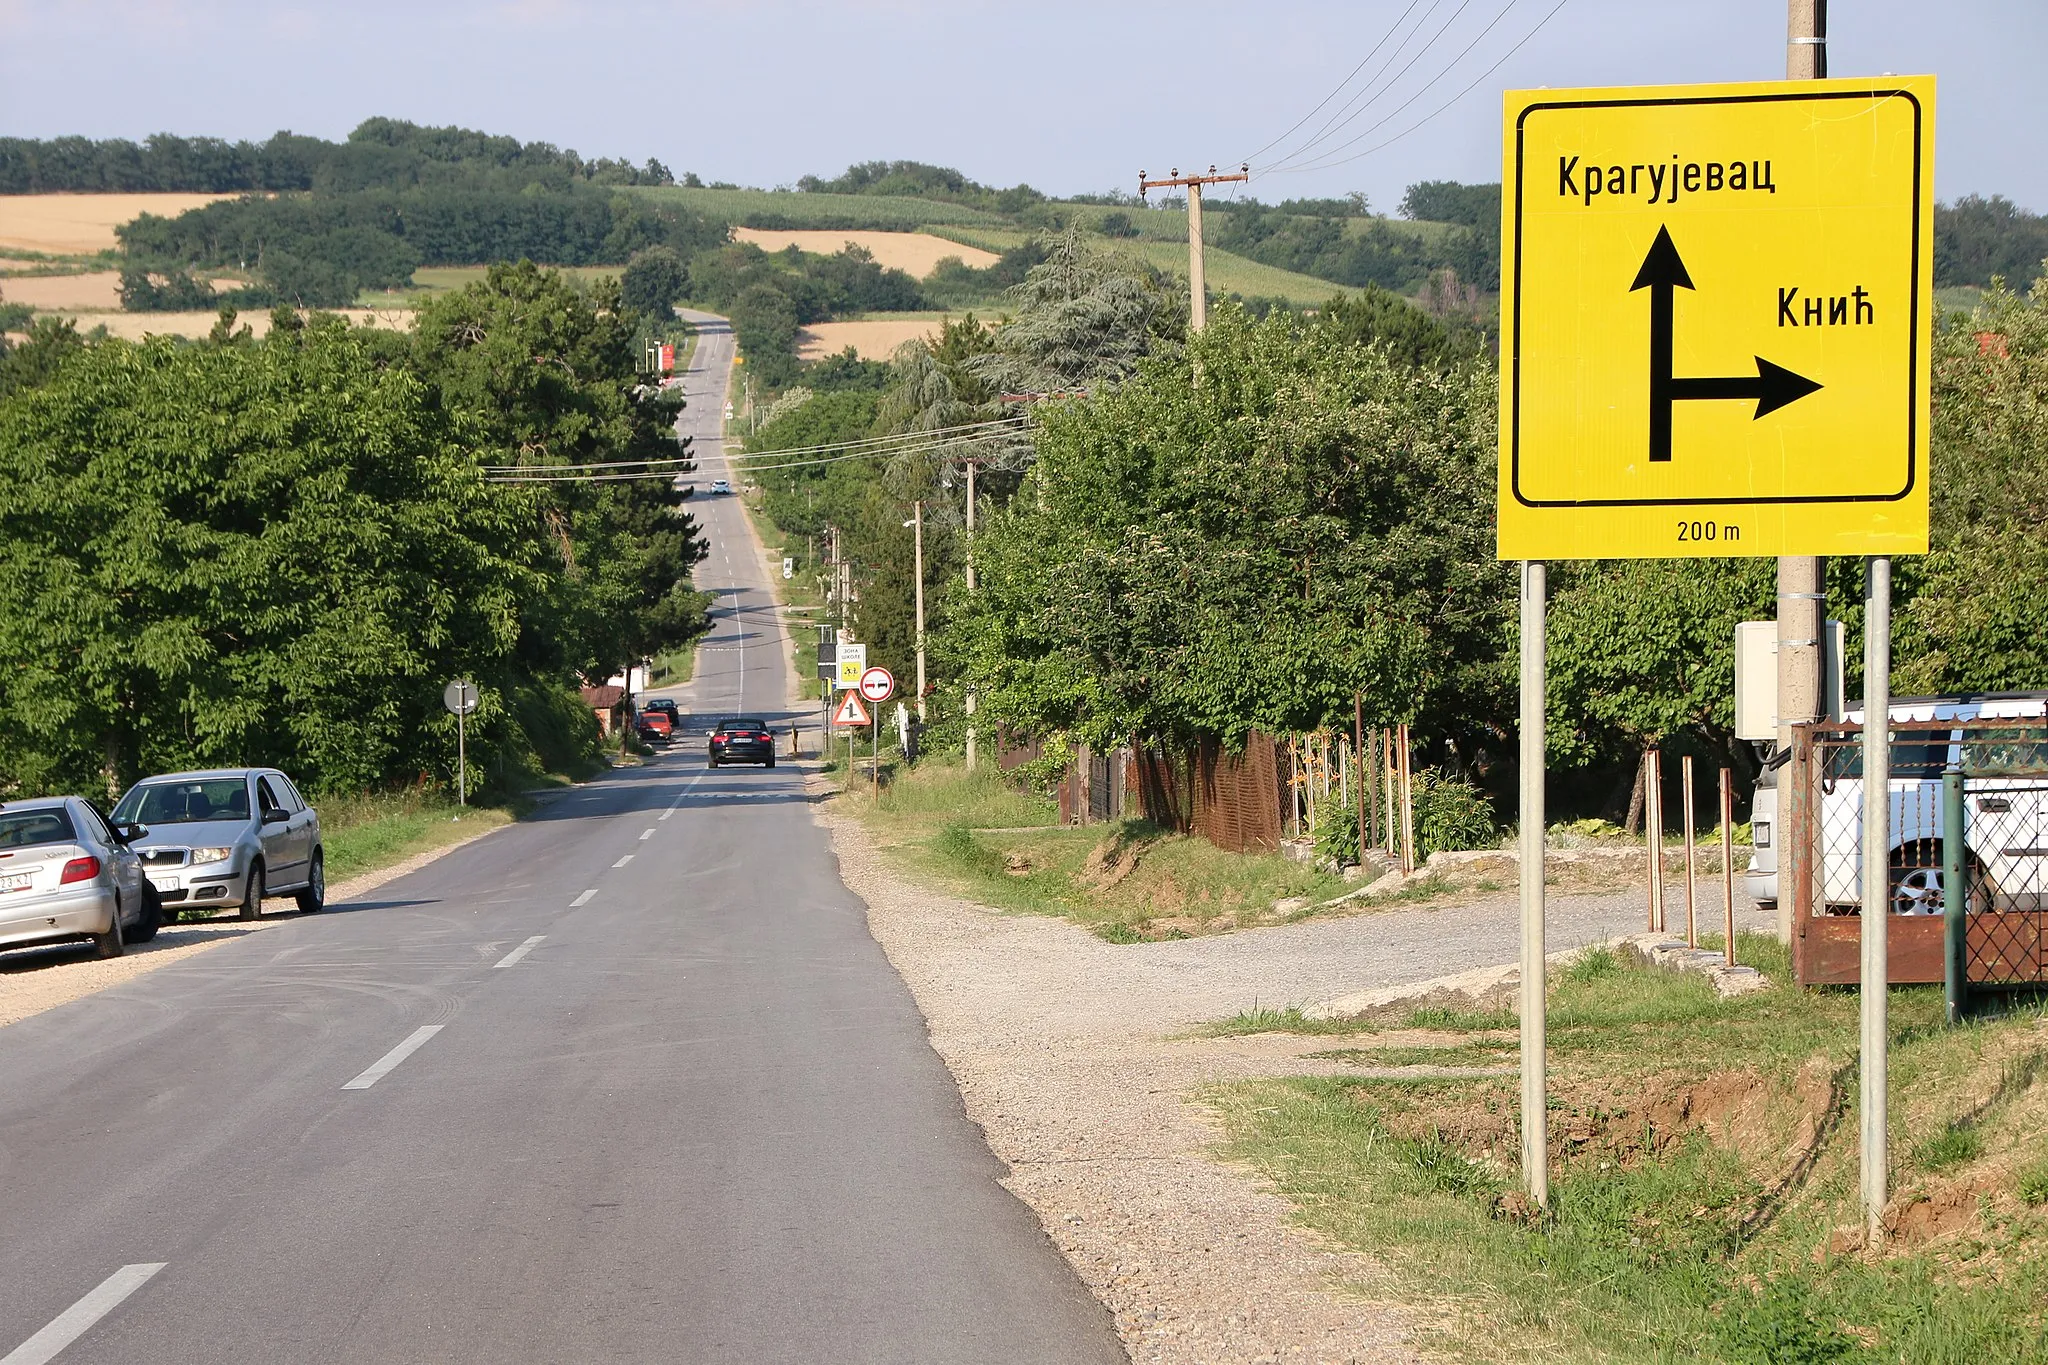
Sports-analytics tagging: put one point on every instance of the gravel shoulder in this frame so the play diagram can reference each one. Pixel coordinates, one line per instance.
(36, 979)
(1073, 1055)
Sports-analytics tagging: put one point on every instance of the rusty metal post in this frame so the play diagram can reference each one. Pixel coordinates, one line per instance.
(1692, 930)
(1728, 865)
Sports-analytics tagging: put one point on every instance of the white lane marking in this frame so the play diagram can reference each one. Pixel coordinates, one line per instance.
(521, 951)
(645, 835)
(388, 1063)
(583, 899)
(75, 1321)
(623, 861)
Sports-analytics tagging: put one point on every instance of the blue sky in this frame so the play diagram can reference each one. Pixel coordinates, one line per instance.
(1068, 96)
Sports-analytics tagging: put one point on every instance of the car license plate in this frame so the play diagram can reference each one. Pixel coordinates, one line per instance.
(15, 881)
(164, 883)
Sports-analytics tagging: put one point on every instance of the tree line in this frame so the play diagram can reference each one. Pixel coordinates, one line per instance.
(279, 550)
(381, 153)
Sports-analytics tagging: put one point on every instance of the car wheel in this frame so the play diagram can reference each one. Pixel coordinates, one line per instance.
(771, 760)
(152, 915)
(1917, 882)
(315, 894)
(112, 943)
(253, 892)
(714, 761)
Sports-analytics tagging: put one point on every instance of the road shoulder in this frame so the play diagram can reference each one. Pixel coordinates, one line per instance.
(1074, 1070)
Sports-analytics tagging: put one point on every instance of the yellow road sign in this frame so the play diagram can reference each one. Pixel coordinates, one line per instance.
(851, 661)
(1715, 306)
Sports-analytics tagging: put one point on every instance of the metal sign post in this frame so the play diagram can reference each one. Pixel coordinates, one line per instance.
(877, 685)
(1535, 1115)
(460, 697)
(1875, 987)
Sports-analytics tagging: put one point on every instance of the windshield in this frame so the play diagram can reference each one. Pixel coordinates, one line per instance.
(29, 828)
(744, 723)
(179, 803)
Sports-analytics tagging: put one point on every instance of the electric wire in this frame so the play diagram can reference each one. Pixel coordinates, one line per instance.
(908, 437)
(574, 474)
(1338, 89)
(1353, 110)
(1469, 88)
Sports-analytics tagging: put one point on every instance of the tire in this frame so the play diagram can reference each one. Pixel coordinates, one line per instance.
(771, 761)
(253, 892)
(713, 763)
(152, 915)
(1916, 882)
(314, 895)
(112, 943)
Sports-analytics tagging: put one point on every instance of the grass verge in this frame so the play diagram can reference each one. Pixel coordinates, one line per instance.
(1128, 881)
(364, 833)
(1705, 1175)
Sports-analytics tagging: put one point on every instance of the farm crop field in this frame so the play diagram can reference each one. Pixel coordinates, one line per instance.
(81, 224)
(1228, 273)
(869, 211)
(919, 253)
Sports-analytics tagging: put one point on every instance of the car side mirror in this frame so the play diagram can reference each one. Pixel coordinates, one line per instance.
(129, 833)
(276, 816)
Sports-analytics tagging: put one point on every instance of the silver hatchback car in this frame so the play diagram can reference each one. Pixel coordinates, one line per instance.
(227, 836)
(66, 873)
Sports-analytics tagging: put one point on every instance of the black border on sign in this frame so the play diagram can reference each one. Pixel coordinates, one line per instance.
(1912, 338)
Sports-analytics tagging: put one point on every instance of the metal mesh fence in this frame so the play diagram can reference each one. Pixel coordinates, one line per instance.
(1968, 829)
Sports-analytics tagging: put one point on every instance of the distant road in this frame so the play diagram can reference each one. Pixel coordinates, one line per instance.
(628, 1081)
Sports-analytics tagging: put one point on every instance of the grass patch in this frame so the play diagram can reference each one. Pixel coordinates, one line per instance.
(1128, 881)
(1489, 1053)
(1705, 1176)
(363, 833)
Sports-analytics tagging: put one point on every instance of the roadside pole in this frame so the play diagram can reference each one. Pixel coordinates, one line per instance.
(1198, 288)
(1875, 983)
(970, 592)
(919, 515)
(461, 759)
(1802, 600)
(1535, 1126)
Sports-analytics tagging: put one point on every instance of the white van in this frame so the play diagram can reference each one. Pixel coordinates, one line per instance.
(2008, 829)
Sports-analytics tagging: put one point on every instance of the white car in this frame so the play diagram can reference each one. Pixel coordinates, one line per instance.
(719, 487)
(2008, 813)
(67, 873)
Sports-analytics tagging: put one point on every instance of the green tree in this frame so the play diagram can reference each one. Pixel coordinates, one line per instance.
(1082, 318)
(273, 553)
(544, 371)
(1974, 620)
(1242, 536)
(653, 280)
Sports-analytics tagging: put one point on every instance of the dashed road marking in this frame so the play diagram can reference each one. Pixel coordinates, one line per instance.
(645, 835)
(521, 951)
(388, 1063)
(583, 899)
(75, 1321)
(623, 861)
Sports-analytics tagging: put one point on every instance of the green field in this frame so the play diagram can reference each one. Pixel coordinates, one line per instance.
(1228, 274)
(873, 212)
(430, 280)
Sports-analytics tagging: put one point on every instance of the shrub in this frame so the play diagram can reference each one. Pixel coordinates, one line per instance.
(1337, 829)
(1450, 813)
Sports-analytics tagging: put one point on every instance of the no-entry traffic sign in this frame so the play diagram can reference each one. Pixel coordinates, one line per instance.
(850, 712)
(878, 684)
(1715, 314)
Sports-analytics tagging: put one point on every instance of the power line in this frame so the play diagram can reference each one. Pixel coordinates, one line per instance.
(1338, 89)
(1379, 83)
(1469, 87)
(873, 445)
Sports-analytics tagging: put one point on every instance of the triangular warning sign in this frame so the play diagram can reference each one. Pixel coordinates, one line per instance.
(850, 711)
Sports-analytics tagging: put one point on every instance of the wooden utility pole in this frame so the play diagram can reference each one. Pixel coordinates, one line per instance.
(970, 588)
(1802, 598)
(1198, 317)
(918, 522)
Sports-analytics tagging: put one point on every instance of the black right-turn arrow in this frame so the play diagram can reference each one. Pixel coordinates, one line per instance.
(1773, 386)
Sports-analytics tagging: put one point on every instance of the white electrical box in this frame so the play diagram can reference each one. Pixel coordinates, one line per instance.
(1756, 677)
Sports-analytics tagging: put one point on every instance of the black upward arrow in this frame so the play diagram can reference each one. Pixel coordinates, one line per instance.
(1773, 386)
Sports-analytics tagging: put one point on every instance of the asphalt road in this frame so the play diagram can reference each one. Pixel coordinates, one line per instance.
(627, 1081)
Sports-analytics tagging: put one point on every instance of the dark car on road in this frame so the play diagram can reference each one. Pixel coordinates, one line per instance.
(667, 706)
(743, 739)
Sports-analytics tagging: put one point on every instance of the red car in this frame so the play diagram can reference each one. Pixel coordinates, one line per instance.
(655, 727)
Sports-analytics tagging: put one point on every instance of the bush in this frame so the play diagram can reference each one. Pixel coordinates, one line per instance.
(1450, 813)
(1337, 829)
